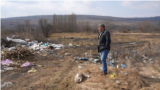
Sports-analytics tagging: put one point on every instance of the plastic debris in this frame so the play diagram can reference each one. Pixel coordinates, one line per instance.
(18, 41)
(7, 84)
(1, 71)
(100, 67)
(27, 64)
(81, 66)
(6, 62)
(11, 48)
(111, 64)
(117, 66)
(112, 75)
(122, 65)
(79, 77)
(153, 77)
(70, 45)
(117, 81)
(83, 58)
(32, 70)
(67, 54)
(8, 68)
(41, 65)
(78, 58)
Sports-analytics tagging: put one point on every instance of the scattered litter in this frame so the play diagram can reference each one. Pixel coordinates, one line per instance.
(1, 71)
(111, 64)
(61, 60)
(112, 75)
(117, 81)
(7, 62)
(67, 54)
(18, 41)
(83, 58)
(7, 84)
(11, 48)
(122, 65)
(32, 70)
(153, 77)
(81, 66)
(27, 64)
(78, 58)
(70, 45)
(8, 68)
(79, 77)
(117, 66)
(41, 65)
(100, 67)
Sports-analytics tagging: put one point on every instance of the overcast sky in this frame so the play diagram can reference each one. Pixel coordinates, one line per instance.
(103, 8)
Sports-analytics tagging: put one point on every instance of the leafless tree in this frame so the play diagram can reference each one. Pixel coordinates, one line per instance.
(146, 26)
(45, 27)
(124, 29)
(64, 23)
(87, 26)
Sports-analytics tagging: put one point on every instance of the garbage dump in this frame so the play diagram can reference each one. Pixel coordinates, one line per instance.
(24, 50)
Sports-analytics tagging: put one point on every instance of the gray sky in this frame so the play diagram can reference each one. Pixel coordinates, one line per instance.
(104, 8)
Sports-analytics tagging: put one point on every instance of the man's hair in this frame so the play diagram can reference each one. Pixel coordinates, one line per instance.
(102, 25)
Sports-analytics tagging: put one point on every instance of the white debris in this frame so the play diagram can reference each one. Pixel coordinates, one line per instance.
(18, 41)
(117, 81)
(7, 84)
(79, 77)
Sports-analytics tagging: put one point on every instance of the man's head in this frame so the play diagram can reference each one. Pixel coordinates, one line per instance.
(101, 27)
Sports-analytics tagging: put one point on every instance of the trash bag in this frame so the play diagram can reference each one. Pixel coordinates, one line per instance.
(18, 41)
(27, 64)
(7, 62)
(32, 70)
(80, 76)
(11, 48)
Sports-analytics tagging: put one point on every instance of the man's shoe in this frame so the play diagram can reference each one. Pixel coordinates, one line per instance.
(102, 73)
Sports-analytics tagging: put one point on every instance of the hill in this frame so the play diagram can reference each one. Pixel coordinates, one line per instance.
(13, 21)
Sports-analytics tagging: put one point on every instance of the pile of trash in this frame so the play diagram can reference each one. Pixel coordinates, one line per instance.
(24, 48)
(17, 53)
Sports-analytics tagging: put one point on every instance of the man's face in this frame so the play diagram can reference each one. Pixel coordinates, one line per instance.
(100, 28)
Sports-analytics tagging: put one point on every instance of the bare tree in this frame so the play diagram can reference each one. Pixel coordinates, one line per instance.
(45, 27)
(28, 26)
(146, 26)
(87, 26)
(124, 29)
(64, 23)
(20, 28)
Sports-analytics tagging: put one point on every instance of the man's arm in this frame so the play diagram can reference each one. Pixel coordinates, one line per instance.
(107, 37)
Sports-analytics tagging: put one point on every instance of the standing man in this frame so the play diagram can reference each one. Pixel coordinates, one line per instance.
(104, 42)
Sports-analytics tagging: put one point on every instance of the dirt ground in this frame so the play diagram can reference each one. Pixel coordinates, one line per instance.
(59, 72)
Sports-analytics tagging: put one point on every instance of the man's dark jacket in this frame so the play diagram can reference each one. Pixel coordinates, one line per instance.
(104, 41)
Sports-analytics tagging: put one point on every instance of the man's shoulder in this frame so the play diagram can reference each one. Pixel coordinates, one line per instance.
(106, 32)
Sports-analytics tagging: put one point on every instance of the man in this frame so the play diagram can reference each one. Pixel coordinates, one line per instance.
(104, 42)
